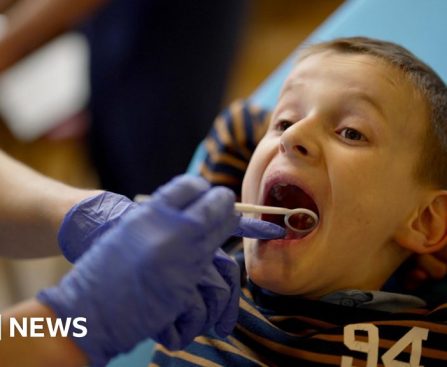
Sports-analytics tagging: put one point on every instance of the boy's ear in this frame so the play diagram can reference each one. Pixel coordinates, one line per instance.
(426, 231)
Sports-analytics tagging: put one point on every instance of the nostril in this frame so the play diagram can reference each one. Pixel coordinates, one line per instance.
(282, 148)
(301, 149)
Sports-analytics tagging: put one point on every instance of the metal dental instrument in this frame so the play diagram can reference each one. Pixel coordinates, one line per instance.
(299, 220)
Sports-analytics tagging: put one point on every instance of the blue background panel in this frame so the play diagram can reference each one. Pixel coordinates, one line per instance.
(418, 25)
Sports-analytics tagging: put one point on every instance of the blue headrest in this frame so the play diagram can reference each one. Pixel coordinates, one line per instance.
(418, 25)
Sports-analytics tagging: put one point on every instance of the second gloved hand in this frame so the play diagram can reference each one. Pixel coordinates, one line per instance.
(145, 275)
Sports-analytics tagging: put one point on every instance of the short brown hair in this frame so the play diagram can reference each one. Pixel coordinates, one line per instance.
(432, 168)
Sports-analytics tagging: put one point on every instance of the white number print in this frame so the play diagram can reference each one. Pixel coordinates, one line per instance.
(370, 347)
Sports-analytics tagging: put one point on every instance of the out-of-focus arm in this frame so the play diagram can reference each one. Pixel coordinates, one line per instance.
(32, 208)
(31, 23)
(5, 4)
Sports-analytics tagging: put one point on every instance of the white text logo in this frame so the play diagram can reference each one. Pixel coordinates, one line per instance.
(40, 327)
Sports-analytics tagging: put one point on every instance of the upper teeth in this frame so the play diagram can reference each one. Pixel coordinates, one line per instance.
(277, 193)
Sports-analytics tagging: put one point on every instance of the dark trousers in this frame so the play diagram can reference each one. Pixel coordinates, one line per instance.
(158, 70)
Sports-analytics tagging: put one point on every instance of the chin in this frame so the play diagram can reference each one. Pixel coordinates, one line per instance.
(273, 281)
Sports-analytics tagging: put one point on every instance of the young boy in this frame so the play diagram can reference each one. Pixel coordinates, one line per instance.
(359, 136)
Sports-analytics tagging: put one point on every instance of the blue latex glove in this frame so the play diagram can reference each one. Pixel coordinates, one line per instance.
(154, 274)
(92, 217)
(88, 220)
(219, 288)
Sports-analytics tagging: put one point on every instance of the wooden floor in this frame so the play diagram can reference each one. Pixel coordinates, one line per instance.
(273, 29)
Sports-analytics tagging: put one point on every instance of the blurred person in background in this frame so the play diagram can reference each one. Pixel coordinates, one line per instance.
(155, 67)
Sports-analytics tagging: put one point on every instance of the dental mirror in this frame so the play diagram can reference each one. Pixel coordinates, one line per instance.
(299, 220)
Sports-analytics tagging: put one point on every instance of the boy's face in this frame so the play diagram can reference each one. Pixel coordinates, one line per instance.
(344, 141)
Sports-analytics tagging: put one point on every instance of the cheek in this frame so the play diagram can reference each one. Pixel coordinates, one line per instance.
(255, 170)
(367, 198)
(358, 177)
(248, 184)
(356, 193)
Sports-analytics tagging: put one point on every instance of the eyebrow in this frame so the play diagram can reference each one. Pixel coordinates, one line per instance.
(353, 93)
(370, 100)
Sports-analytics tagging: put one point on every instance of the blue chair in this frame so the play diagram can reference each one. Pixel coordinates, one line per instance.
(418, 25)
(140, 356)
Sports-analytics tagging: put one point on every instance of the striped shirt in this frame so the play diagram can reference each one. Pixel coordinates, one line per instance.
(231, 142)
(277, 330)
(290, 331)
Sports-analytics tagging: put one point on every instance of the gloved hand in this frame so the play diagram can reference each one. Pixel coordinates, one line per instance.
(92, 217)
(88, 220)
(151, 275)
(219, 288)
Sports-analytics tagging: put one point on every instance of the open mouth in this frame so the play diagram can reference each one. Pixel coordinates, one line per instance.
(289, 196)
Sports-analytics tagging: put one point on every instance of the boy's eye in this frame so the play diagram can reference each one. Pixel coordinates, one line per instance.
(283, 125)
(352, 134)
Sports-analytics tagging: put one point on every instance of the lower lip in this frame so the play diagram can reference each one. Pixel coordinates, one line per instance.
(293, 235)
(291, 238)
(279, 244)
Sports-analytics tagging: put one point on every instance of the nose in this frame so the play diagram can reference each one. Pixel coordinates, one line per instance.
(301, 140)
